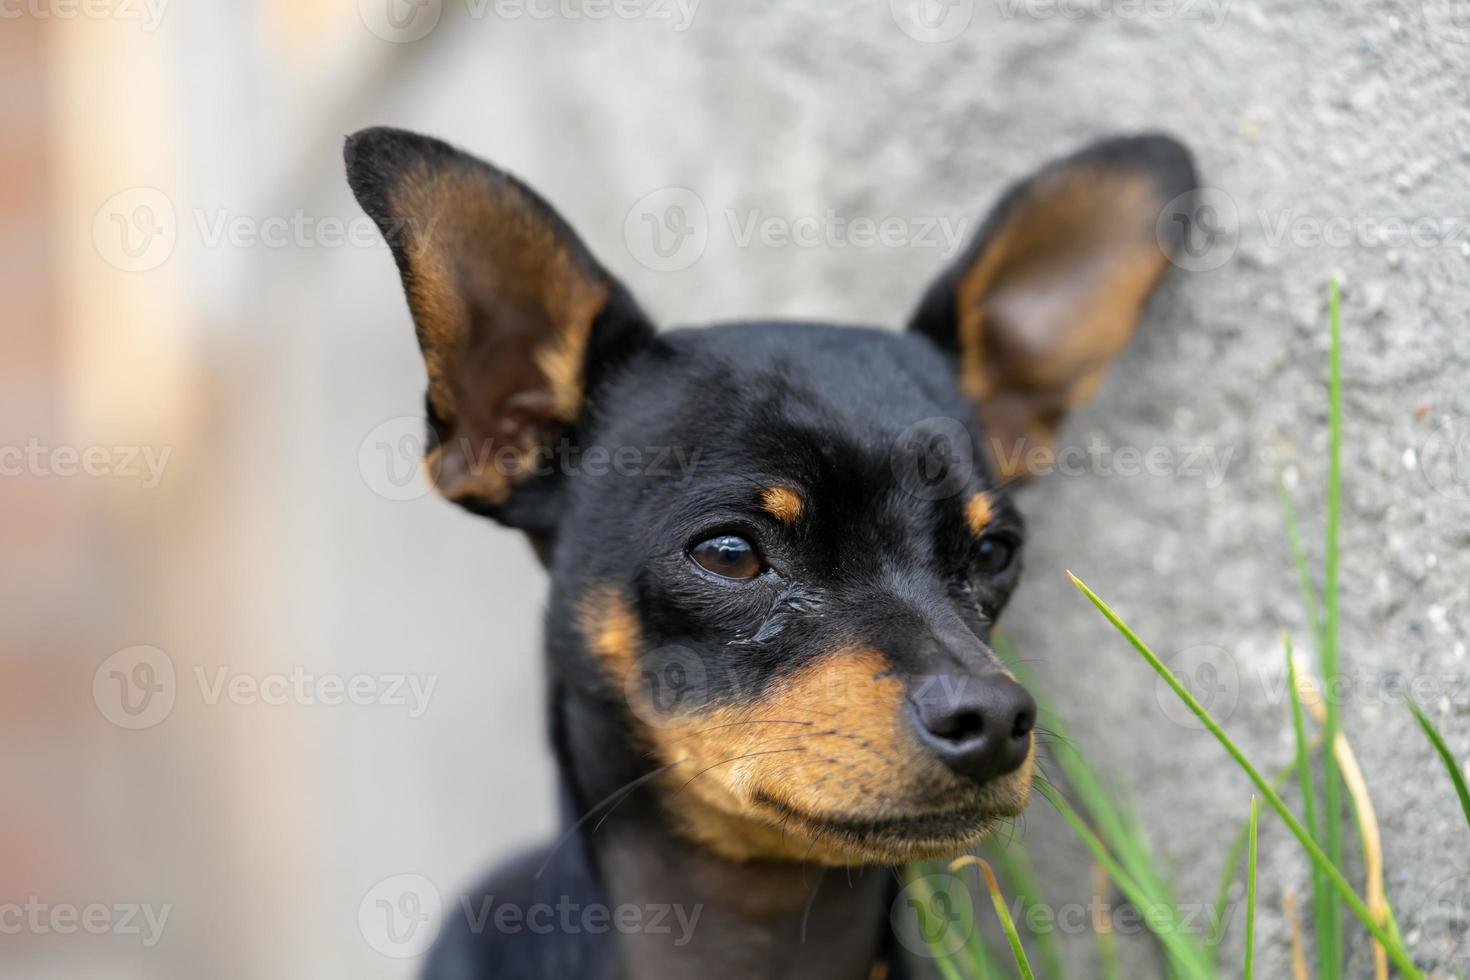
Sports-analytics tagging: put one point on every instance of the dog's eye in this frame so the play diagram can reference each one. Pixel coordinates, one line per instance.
(728, 555)
(994, 555)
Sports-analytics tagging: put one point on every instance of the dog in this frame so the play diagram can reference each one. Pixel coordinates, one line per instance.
(769, 673)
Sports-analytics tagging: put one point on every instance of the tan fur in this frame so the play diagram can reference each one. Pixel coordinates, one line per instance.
(978, 513)
(782, 503)
(754, 780)
(611, 631)
(1053, 299)
(480, 255)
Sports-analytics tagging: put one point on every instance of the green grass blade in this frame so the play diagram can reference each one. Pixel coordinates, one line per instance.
(1015, 865)
(1305, 584)
(1446, 756)
(1250, 899)
(1380, 932)
(1232, 861)
(1320, 904)
(1330, 944)
(1171, 935)
(998, 900)
(1119, 828)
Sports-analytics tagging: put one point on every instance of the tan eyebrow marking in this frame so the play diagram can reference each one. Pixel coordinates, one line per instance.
(978, 513)
(782, 503)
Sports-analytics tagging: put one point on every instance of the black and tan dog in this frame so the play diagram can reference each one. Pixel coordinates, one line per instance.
(775, 663)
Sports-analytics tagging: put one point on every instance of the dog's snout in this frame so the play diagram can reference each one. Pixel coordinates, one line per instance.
(978, 725)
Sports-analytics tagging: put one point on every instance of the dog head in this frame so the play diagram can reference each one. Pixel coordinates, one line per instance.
(777, 549)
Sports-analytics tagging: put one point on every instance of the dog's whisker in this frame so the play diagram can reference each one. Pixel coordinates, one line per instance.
(810, 900)
(614, 798)
(736, 724)
(737, 758)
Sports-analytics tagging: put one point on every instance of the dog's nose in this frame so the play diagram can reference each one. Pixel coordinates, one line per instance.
(978, 725)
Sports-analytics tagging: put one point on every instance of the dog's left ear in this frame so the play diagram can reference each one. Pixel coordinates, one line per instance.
(1052, 285)
(516, 321)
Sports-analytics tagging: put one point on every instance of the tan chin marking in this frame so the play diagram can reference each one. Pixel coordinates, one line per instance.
(830, 739)
(782, 503)
(978, 513)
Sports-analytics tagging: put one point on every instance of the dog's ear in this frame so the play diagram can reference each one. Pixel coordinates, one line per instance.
(516, 320)
(1051, 287)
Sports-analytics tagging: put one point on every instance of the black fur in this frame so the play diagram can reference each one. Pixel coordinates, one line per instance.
(712, 416)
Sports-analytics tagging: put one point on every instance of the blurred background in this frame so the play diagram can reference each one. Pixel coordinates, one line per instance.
(251, 669)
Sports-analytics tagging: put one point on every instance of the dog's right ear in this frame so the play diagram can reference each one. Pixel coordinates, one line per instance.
(517, 322)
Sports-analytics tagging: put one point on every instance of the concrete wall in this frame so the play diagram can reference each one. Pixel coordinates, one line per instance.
(1302, 118)
(1306, 118)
